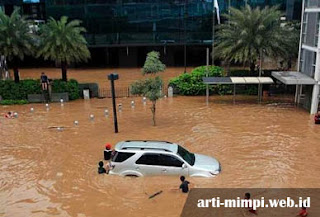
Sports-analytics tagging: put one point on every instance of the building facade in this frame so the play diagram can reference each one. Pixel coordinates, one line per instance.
(121, 32)
(310, 54)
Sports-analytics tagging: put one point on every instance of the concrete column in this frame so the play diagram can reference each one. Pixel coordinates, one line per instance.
(299, 93)
(300, 44)
(315, 99)
(315, 92)
(296, 95)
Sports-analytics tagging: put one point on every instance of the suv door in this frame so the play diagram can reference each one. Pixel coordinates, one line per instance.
(149, 164)
(173, 165)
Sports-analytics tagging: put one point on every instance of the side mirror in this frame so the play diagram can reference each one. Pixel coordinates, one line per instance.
(184, 166)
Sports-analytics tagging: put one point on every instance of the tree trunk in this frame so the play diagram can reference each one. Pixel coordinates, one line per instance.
(228, 68)
(16, 74)
(153, 110)
(252, 67)
(289, 64)
(64, 71)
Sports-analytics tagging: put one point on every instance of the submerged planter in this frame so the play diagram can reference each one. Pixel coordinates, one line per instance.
(55, 97)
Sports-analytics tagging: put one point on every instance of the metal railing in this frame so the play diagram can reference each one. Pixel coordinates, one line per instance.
(124, 92)
(120, 92)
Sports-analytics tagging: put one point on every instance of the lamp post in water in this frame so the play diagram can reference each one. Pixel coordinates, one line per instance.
(112, 77)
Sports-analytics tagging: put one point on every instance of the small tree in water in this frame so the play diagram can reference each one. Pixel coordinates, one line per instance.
(153, 64)
(150, 87)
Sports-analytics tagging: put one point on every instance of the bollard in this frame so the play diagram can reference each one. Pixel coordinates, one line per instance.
(144, 100)
(32, 109)
(92, 117)
(106, 112)
(61, 101)
(132, 104)
(15, 114)
(120, 107)
(76, 123)
(170, 92)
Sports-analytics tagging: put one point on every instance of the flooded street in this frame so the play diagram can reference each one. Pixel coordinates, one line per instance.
(46, 172)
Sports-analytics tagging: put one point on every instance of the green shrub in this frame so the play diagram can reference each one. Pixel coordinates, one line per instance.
(191, 84)
(251, 90)
(13, 102)
(72, 87)
(9, 90)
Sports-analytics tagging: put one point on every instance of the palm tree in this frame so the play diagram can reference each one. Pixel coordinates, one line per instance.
(251, 33)
(16, 39)
(63, 42)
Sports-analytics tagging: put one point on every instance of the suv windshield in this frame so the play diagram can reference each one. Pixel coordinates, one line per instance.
(186, 155)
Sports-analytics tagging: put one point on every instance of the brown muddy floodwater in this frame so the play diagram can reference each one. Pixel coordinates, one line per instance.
(45, 172)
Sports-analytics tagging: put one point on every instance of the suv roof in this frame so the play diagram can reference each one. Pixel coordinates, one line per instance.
(147, 145)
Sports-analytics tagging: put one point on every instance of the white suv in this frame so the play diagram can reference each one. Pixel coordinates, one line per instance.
(142, 158)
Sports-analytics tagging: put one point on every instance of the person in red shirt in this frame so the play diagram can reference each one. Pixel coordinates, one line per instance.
(303, 212)
(9, 115)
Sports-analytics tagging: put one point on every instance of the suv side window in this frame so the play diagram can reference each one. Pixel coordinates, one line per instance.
(149, 159)
(159, 160)
(170, 161)
(122, 156)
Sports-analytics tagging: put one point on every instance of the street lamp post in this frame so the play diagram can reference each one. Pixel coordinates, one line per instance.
(185, 37)
(112, 77)
(213, 26)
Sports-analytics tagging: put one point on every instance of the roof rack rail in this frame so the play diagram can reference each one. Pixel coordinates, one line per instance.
(148, 141)
(128, 148)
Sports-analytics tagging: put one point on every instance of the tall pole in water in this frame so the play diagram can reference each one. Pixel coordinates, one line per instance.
(207, 74)
(185, 37)
(112, 77)
(260, 72)
(213, 24)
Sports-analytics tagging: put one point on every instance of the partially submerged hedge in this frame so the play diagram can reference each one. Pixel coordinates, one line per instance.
(71, 87)
(9, 90)
(13, 102)
(191, 84)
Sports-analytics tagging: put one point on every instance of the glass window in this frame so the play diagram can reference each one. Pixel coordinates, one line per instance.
(170, 161)
(186, 155)
(304, 28)
(317, 31)
(121, 156)
(159, 160)
(149, 159)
